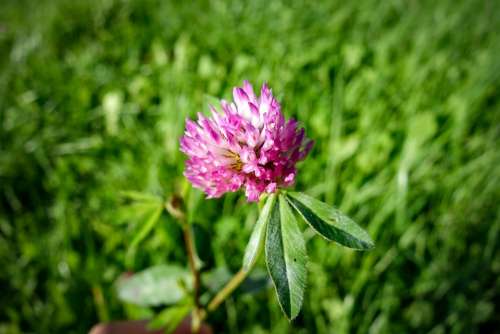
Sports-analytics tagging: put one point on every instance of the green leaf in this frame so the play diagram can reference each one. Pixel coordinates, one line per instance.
(164, 284)
(147, 226)
(169, 319)
(138, 196)
(136, 206)
(133, 213)
(256, 243)
(330, 222)
(286, 258)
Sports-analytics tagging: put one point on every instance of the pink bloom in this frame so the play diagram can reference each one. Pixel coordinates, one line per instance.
(249, 145)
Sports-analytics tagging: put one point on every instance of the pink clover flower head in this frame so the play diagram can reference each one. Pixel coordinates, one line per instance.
(248, 145)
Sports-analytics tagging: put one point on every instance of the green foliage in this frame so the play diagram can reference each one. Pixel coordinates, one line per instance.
(286, 257)
(170, 318)
(256, 242)
(330, 222)
(400, 96)
(159, 285)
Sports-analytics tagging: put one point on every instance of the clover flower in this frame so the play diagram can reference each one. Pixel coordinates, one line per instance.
(249, 145)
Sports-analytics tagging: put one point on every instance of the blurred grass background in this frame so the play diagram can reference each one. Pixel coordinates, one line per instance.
(402, 98)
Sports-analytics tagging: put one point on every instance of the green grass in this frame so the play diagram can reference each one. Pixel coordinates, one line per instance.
(402, 98)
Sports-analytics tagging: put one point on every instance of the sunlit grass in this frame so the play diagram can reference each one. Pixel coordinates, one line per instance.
(401, 98)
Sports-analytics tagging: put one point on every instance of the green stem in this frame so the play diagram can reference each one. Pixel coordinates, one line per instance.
(188, 240)
(237, 279)
(174, 208)
(199, 314)
(229, 288)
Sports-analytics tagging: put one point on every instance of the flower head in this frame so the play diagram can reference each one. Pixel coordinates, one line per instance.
(249, 145)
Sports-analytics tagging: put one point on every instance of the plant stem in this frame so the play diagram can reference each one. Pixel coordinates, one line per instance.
(191, 252)
(188, 240)
(237, 279)
(173, 207)
(230, 286)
